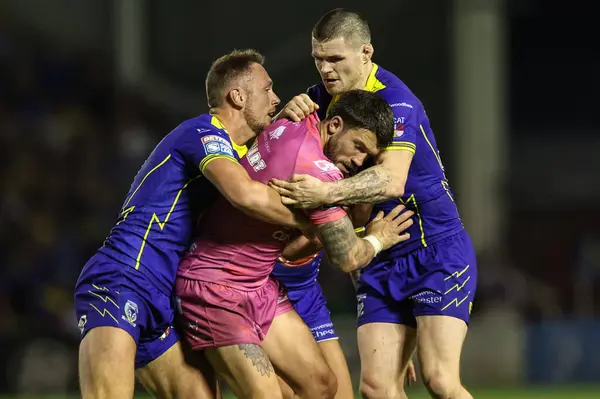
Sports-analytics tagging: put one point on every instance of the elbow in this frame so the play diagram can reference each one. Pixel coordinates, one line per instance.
(395, 189)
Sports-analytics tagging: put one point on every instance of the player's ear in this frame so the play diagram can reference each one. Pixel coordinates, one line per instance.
(336, 125)
(237, 98)
(367, 52)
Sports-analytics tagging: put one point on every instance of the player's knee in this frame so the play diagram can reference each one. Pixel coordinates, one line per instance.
(441, 384)
(330, 385)
(324, 384)
(373, 386)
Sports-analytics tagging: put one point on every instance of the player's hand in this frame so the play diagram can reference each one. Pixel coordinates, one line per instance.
(389, 228)
(302, 191)
(411, 373)
(298, 108)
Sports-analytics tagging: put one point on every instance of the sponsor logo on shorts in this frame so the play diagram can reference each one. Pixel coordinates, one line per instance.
(427, 297)
(82, 323)
(131, 313)
(323, 330)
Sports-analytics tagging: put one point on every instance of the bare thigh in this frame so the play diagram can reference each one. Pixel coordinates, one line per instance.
(298, 359)
(385, 350)
(179, 374)
(107, 364)
(440, 340)
(246, 369)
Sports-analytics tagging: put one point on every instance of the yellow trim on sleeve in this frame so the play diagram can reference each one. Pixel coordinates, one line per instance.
(204, 163)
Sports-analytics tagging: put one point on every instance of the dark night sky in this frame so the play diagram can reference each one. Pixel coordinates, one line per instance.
(555, 62)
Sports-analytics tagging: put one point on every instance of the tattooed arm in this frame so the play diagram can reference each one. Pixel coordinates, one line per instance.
(348, 252)
(343, 248)
(379, 183)
(382, 182)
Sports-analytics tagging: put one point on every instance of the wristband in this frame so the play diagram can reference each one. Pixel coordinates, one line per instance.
(374, 241)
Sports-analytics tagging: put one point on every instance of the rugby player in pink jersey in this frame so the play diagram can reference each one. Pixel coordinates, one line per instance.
(226, 296)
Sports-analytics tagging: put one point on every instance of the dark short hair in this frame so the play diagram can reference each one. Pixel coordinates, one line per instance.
(341, 23)
(366, 110)
(226, 69)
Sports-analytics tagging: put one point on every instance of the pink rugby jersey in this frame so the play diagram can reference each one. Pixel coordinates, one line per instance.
(238, 251)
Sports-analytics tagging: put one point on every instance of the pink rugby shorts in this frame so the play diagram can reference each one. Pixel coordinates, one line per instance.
(213, 315)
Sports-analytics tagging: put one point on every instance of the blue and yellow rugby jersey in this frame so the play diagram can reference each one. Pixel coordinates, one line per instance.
(426, 192)
(157, 220)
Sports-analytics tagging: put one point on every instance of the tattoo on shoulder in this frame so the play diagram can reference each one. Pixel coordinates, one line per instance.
(366, 187)
(258, 358)
(338, 237)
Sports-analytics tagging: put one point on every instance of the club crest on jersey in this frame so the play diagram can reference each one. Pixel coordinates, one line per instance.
(276, 134)
(131, 313)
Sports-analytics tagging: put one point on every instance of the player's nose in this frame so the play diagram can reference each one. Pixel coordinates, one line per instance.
(325, 68)
(275, 100)
(358, 160)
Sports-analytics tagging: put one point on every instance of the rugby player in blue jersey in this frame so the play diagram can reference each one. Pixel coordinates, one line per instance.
(426, 284)
(123, 297)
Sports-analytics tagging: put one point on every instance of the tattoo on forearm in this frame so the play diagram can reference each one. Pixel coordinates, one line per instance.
(366, 187)
(344, 249)
(258, 358)
(337, 238)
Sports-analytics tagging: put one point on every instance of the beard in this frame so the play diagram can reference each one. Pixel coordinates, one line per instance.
(330, 148)
(256, 123)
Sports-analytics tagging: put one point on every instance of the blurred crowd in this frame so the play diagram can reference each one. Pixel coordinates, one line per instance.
(71, 142)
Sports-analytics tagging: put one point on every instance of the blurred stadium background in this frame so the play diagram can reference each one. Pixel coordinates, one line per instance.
(88, 87)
